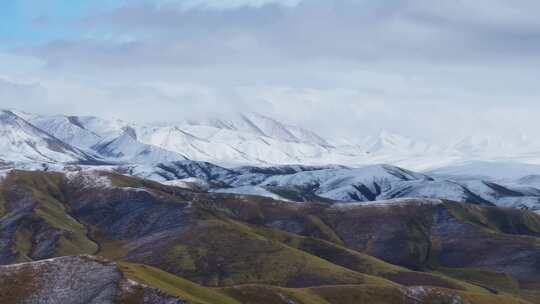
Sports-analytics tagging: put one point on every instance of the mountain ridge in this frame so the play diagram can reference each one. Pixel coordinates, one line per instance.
(256, 139)
(22, 141)
(193, 246)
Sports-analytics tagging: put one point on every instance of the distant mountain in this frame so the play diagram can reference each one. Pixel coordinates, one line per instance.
(390, 143)
(495, 170)
(256, 140)
(20, 141)
(336, 184)
(112, 140)
(126, 148)
(172, 153)
(243, 139)
(532, 180)
(246, 139)
(492, 146)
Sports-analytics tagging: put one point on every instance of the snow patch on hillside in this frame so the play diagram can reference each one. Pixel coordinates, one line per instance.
(390, 203)
(421, 293)
(251, 190)
(189, 183)
(4, 174)
(89, 179)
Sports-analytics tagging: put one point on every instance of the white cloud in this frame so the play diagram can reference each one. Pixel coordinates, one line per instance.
(341, 67)
(229, 4)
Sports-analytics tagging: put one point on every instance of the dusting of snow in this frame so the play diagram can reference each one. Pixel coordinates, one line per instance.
(188, 183)
(39, 263)
(493, 169)
(84, 278)
(389, 203)
(4, 174)
(251, 190)
(90, 179)
(96, 179)
(286, 299)
(134, 189)
(421, 293)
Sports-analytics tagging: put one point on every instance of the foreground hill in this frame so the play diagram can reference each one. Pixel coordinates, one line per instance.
(81, 279)
(249, 249)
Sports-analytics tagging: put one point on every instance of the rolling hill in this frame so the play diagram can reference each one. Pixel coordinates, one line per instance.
(250, 249)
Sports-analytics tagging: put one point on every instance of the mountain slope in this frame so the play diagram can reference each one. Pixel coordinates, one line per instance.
(255, 139)
(494, 170)
(243, 244)
(69, 129)
(112, 140)
(106, 282)
(20, 141)
(81, 279)
(126, 148)
(337, 184)
(80, 131)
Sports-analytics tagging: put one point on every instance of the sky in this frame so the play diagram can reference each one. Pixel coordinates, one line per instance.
(434, 70)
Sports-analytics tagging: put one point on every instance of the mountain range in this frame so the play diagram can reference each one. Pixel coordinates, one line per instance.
(243, 139)
(251, 210)
(176, 154)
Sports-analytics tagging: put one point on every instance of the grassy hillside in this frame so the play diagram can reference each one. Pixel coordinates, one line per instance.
(222, 248)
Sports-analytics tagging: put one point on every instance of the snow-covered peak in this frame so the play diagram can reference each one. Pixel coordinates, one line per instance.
(256, 139)
(508, 170)
(21, 141)
(261, 125)
(80, 131)
(390, 143)
(492, 145)
(532, 180)
(68, 129)
(267, 126)
(126, 148)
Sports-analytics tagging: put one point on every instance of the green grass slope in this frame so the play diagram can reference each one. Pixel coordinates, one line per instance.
(221, 248)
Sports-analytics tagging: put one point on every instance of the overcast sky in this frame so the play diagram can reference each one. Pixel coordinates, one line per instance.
(430, 69)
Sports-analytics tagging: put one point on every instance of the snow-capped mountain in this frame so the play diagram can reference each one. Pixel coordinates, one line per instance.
(21, 141)
(185, 154)
(391, 143)
(253, 139)
(260, 125)
(126, 148)
(112, 140)
(491, 170)
(339, 184)
(245, 139)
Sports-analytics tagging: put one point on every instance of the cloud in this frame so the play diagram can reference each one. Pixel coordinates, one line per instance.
(13, 95)
(338, 66)
(358, 31)
(229, 4)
